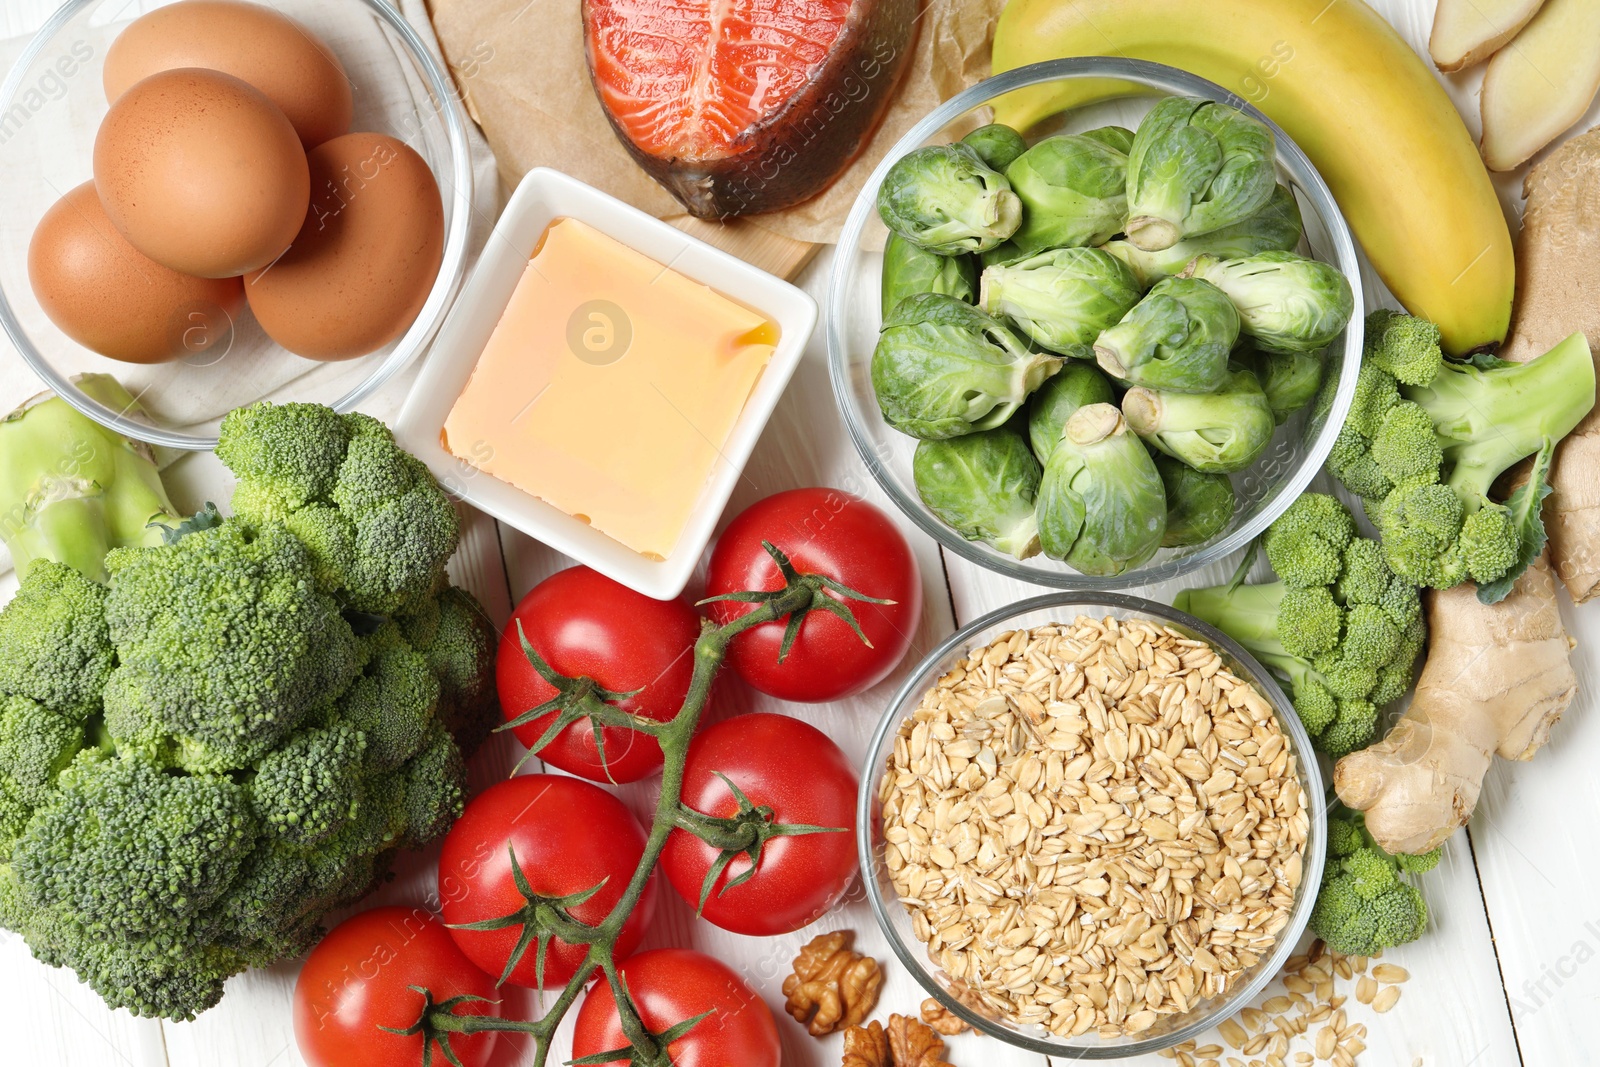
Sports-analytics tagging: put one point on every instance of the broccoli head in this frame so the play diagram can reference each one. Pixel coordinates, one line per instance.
(202, 761)
(1363, 905)
(1340, 627)
(224, 646)
(57, 649)
(1427, 437)
(377, 524)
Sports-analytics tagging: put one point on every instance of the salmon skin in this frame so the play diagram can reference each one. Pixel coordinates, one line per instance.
(744, 106)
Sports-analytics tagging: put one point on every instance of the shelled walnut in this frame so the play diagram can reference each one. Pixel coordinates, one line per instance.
(938, 1018)
(866, 1046)
(833, 986)
(912, 1044)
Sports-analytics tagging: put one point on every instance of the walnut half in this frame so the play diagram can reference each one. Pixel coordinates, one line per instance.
(866, 1046)
(940, 1019)
(912, 1044)
(833, 986)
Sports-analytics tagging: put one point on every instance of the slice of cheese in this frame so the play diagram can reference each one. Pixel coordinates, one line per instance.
(610, 387)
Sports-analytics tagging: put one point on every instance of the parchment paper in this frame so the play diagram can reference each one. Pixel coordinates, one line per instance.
(521, 68)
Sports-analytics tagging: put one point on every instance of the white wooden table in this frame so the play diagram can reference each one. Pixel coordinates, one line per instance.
(1508, 973)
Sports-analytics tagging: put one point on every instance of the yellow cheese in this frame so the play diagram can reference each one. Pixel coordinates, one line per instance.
(609, 387)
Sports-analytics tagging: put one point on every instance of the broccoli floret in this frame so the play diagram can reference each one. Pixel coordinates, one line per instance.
(311, 786)
(1403, 346)
(1405, 446)
(393, 701)
(1363, 906)
(1306, 545)
(458, 639)
(36, 745)
(377, 524)
(224, 646)
(435, 783)
(57, 650)
(1351, 459)
(1309, 621)
(1343, 645)
(131, 849)
(1425, 451)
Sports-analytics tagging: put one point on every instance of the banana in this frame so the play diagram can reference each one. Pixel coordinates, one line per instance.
(1355, 98)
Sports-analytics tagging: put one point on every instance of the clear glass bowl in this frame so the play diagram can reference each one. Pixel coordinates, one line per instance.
(895, 920)
(55, 86)
(1126, 85)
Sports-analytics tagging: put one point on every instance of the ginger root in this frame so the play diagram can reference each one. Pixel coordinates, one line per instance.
(1558, 293)
(1497, 679)
(833, 987)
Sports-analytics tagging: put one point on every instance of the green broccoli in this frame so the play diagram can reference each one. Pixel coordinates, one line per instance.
(57, 649)
(1363, 905)
(223, 645)
(70, 489)
(378, 525)
(202, 761)
(1427, 437)
(1338, 626)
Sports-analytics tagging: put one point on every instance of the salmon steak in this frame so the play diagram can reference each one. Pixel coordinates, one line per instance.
(744, 106)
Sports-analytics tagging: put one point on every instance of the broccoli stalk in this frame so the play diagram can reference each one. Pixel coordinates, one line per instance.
(1339, 627)
(1427, 438)
(70, 489)
(1363, 905)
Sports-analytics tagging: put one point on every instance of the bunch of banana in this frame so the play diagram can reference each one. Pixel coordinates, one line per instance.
(1350, 92)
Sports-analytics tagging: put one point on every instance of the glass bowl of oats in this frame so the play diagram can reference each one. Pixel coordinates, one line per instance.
(1091, 826)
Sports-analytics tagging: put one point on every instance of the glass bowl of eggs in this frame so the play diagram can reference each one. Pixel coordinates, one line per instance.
(218, 202)
(1104, 349)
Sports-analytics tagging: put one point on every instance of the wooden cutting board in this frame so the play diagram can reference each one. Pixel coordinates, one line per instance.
(772, 252)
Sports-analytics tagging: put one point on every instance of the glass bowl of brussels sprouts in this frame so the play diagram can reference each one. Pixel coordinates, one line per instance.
(1105, 351)
(895, 918)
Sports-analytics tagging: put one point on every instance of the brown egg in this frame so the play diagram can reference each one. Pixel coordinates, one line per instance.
(201, 172)
(110, 298)
(254, 43)
(364, 261)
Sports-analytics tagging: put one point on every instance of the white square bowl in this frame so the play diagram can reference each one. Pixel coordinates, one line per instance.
(543, 196)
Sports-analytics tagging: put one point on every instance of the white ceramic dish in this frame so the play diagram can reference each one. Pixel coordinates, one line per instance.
(543, 196)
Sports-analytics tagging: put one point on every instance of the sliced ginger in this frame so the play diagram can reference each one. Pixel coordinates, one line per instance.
(1541, 84)
(1466, 32)
(1497, 679)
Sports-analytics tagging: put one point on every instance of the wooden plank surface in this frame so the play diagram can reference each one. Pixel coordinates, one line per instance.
(1513, 899)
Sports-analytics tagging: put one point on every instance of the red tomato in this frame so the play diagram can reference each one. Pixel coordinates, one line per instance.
(569, 836)
(357, 980)
(583, 623)
(828, 532)
(670, 986)
(794, 769)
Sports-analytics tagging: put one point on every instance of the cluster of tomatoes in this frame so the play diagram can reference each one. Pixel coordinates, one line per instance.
(570, 836)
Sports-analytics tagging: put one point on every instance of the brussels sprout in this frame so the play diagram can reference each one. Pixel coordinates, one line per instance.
(1290, 379)
(997, 144)
(1001, 255)
(1274, 227)
(1178, 337)
(1062, 298)
(1195, 167)
(944, 199)
(1286, 302)
(1072, 192)
(1198, 505)
(1216, 433)
(1112, 137)
(1101, 505)
(943, 368)
(983, 486)
(908, 270)
(1077, 385)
